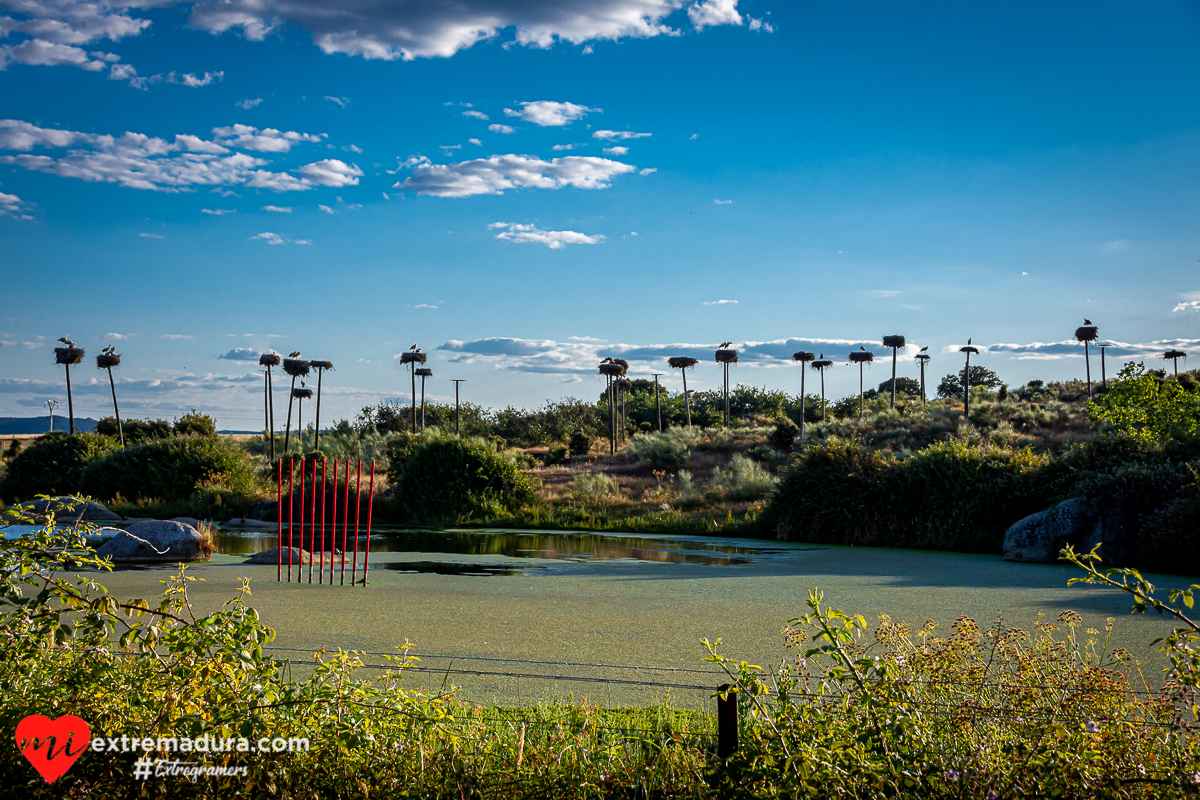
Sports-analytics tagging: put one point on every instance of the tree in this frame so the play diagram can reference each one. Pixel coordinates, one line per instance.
(951, 385)
(1146, 408)
(903, 386)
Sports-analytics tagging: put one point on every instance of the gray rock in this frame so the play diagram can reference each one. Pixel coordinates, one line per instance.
(156, 540)
(66, 509)
(272, 557)
(1041, 537)
(195, 523)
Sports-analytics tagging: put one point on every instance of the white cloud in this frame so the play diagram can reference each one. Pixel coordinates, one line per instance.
(341, 101)
(269, 238)
(241, 354)
(331, 172)
(1046, 351)
(1190, 302)
(616, 150)
(648, 171)
(26, 345)
(721, 202)
(303, 241)
(13, 206)
(612, 135)
(218, 212)
(40, 53)
(248, 103)
(326, 209)
(555, 240)
(761, 25)
(475, 142)
(448, 147)
(694, 136)
(548, 113)
(558, 147)
(424, 305)
(720, 302)
(153, 235)
(885, 292)
(278, 209)
(498, 128)
(406, 31)
(67, 22)
(475, 114)
(175, 336)
(1117, 244)
(496, 174)
(188, 79)
(117, 337)
(267, 140)
(714, 12)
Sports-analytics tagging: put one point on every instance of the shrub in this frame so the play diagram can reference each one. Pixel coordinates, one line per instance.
(1146, 408)
(557, 454)
(136, 430)
(951, 385)
(195, 423)
(53, 464)
(169, 470)
(580, 444)
(783, 437)
(668, 450)
(400, 446)
(910, 386)
(588, 488)
(447, 480)
(743, 479)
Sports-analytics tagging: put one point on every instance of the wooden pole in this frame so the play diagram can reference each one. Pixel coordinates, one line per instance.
(287, 430)
(687, 398)
(70, 402)
(1103, 377)
(317, 427)
(412, 367)
(802, 404)
(422, 402)
(822, 371)
(967, 389)
(1088, 359)
(893, 377)
(116, 411)
(657, 402)
(457, 415)
(271, 407)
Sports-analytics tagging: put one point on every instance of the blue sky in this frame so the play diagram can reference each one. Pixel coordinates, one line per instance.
(523, 187)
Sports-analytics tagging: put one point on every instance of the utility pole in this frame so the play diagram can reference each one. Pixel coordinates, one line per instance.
(457, 416)
(657, 401)
(51, 404)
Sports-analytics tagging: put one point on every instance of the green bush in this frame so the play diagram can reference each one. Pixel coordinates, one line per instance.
(447, 480)
(668, 450)
(53, 464)
(557, 454)
(591, 489)
(169, 470)
(743, 479)
(1146, 408)
(194, 423)
(783, 437)
(580, 444)
(981, 377)
(136, 430)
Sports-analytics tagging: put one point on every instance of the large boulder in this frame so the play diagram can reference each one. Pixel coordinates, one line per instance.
(65, 508)
(273, 556)
(156, 540)
(1041, 537)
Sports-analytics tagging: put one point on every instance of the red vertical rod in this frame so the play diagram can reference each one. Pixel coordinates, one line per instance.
(321, 566)
(357, 515)
(345, 520)
(312, 524)
(291, 511)
(333, 531)
(279, 521)
(303, 481)
(370, 508)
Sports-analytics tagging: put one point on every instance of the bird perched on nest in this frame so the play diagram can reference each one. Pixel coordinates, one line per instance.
(968, 340)
(1087, 321)
(294, 354)
(67, 341)
(108, 351)
(725, 344)
(822, 356)
(923, 349)
(606, 361)
(414, 348)
(860, 347)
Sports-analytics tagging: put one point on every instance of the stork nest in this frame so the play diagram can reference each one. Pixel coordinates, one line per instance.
(681, 362)
(894, 342)
(726, 356)
(922, 356)
(302, 394)
(969, 349)
(321, 364)
(862, 357)
(295, 367)
(107, 361)
(268, 360)
(612, 368)
(423, 372)
(68, 355)
(822, 364)
(803, 356)
(1171, 355)
(1087, 333)
(624, 364)
(413, 358)
(624, 384)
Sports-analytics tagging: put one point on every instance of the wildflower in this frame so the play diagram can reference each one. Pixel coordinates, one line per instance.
(992, 795)
(1092, 726)
(952, 775)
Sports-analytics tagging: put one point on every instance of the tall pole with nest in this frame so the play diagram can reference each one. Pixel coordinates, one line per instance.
(1171, 355)
(320, 367)
(269, 360)
(67, 355)
(623, 387)
(803, 357)
(296, 368)
(457, 416)
(923, 359)
(106, 361)
(301, 394)
(820, 365)
(413, 357)
(967, 379)
(423, 373)
(860, 357)
(1103, 376)
(657, 401)
(725, 356)
(895, 343)
(1087, 333)
(612, 369)
(682, 363)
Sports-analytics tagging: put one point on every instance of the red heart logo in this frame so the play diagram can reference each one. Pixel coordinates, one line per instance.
(49, 743)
